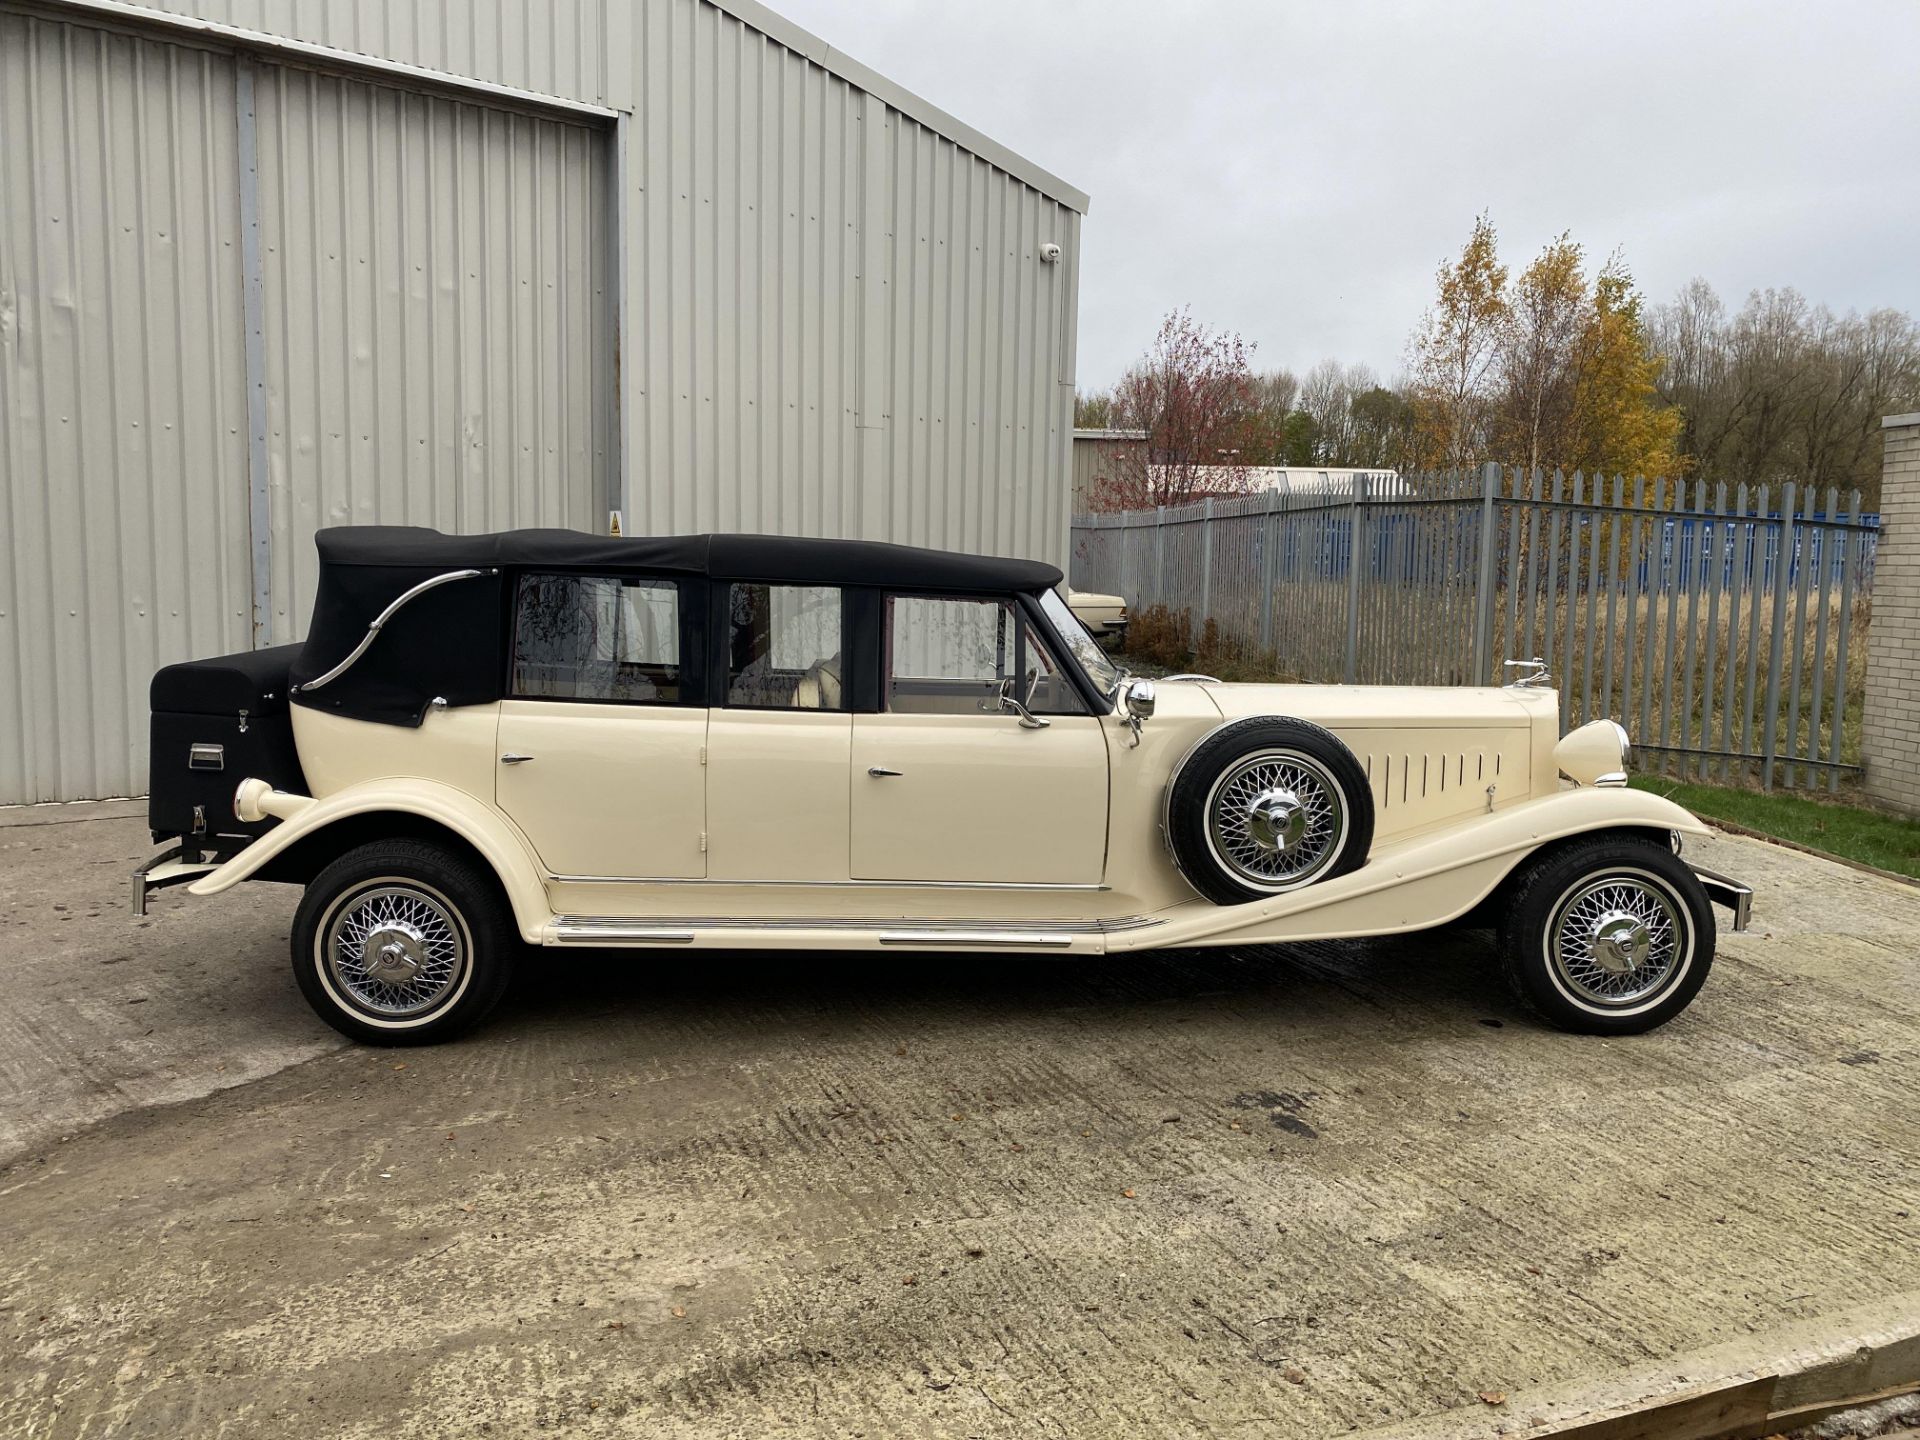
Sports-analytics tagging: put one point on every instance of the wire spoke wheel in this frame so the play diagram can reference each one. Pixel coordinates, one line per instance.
(1276, 819)
(395, 948)
(1616, 939)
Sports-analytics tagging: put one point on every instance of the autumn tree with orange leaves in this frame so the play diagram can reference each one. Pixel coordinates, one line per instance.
(1550, 370)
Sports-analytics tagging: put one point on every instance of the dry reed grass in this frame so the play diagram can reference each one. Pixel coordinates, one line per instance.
(1617, 666)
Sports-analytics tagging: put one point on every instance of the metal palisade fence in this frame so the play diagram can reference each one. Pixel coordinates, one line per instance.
(1724, 627)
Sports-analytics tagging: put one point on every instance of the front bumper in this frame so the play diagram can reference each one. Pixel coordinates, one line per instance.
(1731, 893)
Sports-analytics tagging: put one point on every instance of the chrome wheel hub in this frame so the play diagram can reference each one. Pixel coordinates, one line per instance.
(1276, 819)
(394, 949)
(393, 954)
(1617, 939)
(1621, 943)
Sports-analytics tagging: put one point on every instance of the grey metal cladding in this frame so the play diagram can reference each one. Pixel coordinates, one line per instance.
(123, 464)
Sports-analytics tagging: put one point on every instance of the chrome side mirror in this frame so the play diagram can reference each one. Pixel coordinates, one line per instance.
(1140, 703)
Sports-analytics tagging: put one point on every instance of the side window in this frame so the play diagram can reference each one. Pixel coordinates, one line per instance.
(596, 637)
(956, 657)
(783, 647)
(947, 657)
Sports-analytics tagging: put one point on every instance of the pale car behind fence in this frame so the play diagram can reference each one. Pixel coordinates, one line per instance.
(1102, 616)
(558, 740)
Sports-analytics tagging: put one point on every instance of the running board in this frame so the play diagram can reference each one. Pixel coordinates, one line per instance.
(748, 933)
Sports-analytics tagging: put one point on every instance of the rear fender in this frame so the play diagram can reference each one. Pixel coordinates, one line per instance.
(500, 844)
(1418, 883)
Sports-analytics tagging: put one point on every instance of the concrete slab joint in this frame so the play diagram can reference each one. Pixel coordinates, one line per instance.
(1890, 741)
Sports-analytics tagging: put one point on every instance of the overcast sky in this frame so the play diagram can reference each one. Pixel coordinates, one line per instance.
(1296, 171)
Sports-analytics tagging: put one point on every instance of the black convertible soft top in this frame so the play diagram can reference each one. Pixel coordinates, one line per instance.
(446, 642)
(777, 558)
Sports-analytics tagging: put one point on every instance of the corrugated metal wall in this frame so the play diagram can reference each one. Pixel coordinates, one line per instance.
(1099, 455)
(838, 320)
(122, 415)
(831, 300)
(437, 317)
(554, 47)
(842, 324)
(435, 347)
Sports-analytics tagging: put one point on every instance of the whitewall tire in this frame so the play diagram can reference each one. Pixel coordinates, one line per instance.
(1610, 935)
(1265, 806)
(402, 942)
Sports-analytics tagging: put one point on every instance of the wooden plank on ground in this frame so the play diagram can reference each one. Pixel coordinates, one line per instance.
(1745, 1390)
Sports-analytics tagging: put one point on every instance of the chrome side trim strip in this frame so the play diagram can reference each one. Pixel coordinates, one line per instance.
(627, 932)
(978, 937)
(582, 926)
(1731, 893)
(373, 630)
(828, 884)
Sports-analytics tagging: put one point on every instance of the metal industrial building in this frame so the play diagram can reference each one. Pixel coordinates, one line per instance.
(268, 265)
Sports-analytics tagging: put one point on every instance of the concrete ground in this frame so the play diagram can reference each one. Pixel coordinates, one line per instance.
(1268, 1192)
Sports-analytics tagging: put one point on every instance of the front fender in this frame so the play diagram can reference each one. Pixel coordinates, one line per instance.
(500, 844)
(1416, 883)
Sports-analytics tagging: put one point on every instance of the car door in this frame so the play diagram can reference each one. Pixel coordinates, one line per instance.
(778, 740)
(949, 785)
(602, 735)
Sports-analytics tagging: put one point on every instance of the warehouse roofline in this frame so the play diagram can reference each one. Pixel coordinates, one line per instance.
(836, 62)
(776, 27)
(143, 17)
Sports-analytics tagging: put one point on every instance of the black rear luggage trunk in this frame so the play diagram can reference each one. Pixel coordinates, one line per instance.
(215, 723)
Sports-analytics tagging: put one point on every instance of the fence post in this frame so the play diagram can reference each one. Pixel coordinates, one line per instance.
(1483, 589)
(1770, 723)
(1355, 531)
(1270, 570)
(1160, 555)
(1206, 567)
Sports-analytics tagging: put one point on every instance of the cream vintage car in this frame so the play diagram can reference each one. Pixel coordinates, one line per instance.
(550, 739)
(1102, 616)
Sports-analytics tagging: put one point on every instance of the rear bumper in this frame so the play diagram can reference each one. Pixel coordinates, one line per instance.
(176, 865)
(1730, 893)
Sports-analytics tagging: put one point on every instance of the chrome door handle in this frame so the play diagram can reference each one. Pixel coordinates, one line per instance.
(512, 759)
(880, 772)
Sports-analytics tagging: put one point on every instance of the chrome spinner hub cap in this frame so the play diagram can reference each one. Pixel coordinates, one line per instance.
(1621, 942)
(393, 954)
(1276, 820)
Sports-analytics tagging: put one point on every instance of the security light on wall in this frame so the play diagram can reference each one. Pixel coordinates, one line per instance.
(1049, 254)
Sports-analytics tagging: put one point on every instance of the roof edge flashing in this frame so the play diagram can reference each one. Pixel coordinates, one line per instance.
(805, 43)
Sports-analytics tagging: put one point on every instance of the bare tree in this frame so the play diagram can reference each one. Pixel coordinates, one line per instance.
(1785, 390)
(1194, 394)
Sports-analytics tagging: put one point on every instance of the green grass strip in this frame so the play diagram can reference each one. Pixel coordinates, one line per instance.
(1884, 841)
